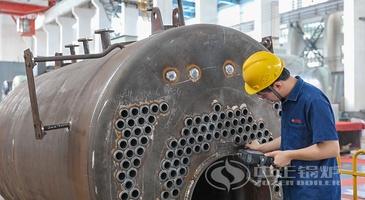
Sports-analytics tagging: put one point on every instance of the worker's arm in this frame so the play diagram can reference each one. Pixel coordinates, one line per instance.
(265, 147)
(318, 151)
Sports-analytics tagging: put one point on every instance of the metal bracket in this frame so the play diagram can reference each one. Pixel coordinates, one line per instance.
(39, 129)
(267, 43)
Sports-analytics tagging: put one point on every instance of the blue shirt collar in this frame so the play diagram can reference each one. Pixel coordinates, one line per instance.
(293, 96)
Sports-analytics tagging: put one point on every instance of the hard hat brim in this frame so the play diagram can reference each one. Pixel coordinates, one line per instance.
(250, 90)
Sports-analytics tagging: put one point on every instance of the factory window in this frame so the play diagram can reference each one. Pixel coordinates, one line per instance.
(284, 32)
(313, 29)
(314, 58)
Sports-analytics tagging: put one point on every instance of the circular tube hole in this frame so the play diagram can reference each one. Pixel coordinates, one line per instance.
(194, 130)
(182, 171)
(175, 192)
(205, 118)
(122, 144)
(211, 127)
(172, 173)
(141, 121)
(154, 109)
(170, 154)
(197, 120)
(235, 122)
(139, 151)
(185, 132)
(118, 155)
(129, 153)
(132, 173)
(247, 128)
(250, 119)
(173, 144)
(123, 195)
(137, 131)
(276, 188)
(276, 106)
(178, 182)
(188, 122)
(199, 138)
(237, 139)
(261, 125)
(166, 164)
(229, 114)
(127, 133)
(123, 113)
(144, 109)
(224, 133)
(143, 140)
(135, 193)
(130, 122)
(182, 142)
(213, 117)
(254, 126)
(148, 129)
(266, 132)
(176, 162)
(168, 185)
(203, 128)
(134, 111)
(216, 135)
(128, 184)
(179, 152)
(263, 140)
(222, 115)
(205, 147)
(258, 134)
(217, 107)
(240, 130)
(164, 107)
(219, 125)
(242, 120)
(165, 195)
(237, 113)
(271, 138)
(244, 111)
(252, 136)
(196, 149)
(133, 142)
(125, 164)
(162, 175)
(120, 176)
(245, 138)
(185, 161)
(227, 124)
(191, 141)
(151, 119)
(136, 162)
(188, 151)
(119, 124)
(208, 137)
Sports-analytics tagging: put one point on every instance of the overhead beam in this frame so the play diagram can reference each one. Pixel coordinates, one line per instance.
(21, 9)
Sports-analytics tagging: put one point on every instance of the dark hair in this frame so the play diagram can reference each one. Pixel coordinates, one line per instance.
(285, 74)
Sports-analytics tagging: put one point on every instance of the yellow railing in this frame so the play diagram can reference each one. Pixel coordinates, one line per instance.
(354, 172)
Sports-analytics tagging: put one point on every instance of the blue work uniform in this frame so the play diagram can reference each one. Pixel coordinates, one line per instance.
(307, 118)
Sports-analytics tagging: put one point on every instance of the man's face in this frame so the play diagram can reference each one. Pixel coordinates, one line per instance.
(269, 95)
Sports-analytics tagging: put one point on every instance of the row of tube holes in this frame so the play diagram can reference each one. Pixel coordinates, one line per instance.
(134, 126)
(196, 137)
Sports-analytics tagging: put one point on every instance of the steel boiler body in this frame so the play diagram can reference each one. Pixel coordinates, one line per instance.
(158, 119)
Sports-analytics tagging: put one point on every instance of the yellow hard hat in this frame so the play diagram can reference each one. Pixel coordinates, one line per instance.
(260, 70)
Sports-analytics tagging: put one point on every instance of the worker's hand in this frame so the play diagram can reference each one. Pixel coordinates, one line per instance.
(281, 158)
(254, 145)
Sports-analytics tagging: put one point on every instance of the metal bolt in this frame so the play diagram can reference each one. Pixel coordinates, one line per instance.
(171, 76)
(229, 69)
(194, 73)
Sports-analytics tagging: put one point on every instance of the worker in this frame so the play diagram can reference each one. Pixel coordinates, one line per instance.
(308, 141)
